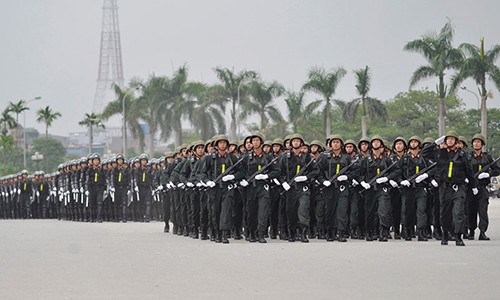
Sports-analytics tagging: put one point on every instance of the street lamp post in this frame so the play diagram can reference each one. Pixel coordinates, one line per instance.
(37, 158)
(477, 97)
(124, 121)
(24, 129)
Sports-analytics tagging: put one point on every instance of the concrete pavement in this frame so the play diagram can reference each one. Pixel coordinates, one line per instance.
(50, 259)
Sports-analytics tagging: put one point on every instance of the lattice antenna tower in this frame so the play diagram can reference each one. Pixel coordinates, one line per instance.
(110, 57)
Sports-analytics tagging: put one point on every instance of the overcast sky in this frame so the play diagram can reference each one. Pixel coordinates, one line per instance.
(50, 48)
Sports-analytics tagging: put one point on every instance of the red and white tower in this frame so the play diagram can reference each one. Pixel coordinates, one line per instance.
(110, 58)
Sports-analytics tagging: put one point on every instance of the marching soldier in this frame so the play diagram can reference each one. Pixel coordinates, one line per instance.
(399, 148)
(95, 187)
(24, 191)
(144, 180)
(120, 178)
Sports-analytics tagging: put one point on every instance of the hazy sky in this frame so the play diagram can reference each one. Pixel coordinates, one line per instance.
(50, 48)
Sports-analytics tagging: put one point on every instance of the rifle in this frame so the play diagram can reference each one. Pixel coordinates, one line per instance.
(292, 181)
(414, 176)
(341, 172)
(229, 169)
(252, 177)
(486, 167)
(381, 174)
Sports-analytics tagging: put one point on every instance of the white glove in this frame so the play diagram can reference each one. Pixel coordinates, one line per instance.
(342, 178)
(244, 183)
(466, 180)
(190, 184)
(203, 184)
(37, 193)
(210, 184)
(276, 181)
(327, 183)
(285, 185)
(434, 183)
(475, 191)
(355, 182)
(136, 189)
(82, 190)
(111, 189)
(300, 178)
(405, 183)
(87, 193)
(483, 175)
(19, 191)
(228, 178)
(199, 185)
(440, 140)
(365, 185)
(421, 178)
(261, 177)
(160, 187)
(180, 185)
(382, 180)
(393, 183)
(128, 193)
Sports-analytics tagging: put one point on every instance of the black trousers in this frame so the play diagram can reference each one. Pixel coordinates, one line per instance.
(377, 205)
(258, 202)
(221, 206)
(479, 206)
(274, 209)
(415, 199)
(452, 201)
(297, 207)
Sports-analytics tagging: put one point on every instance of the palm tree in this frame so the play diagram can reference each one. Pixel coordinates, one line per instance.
(234, 90)
(90, 121)
(6, 143)
(261, 102)
(18, 108)
(478, 65)
(133, 113)
(369, 106)
(47, 116)
(207, 115)
(7, 121)
(324, 83)
(299, 112)
(441, 56)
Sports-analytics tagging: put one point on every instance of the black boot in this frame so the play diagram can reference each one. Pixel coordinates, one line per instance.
(458, 240)
(252, 237)
(237, 234)
(368, 237)
(204, 235)
(471, 235)
(466, 234)
(342, 237)
(224, 237)
(329, 236)
(437, 234)
(303, 236)
(483, 237)
(262, 239)
(99, 213)
(195, 234)
(291, 236)
(175, 229)
(218, 239)
(274, 234)
(421, 235)
(313, 233)
(383, 235)
(444, 239)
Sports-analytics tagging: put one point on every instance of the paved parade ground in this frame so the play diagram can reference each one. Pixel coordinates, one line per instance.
(50, 259)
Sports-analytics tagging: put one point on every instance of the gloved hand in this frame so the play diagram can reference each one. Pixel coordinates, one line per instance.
(327, 183)
(421, 178)
(276, 181)
(199, 185)
(180, 185)
(210, 184)
(434, 183)
(300, 178)
(82, 190)
(261, 177)
(87, 193)
(405, 183)
(160, 187)
(128, 193)
(440, 140)
(244, 183)
(365, 185)
(190, 184)
(136, 189)
(355, 182)
(475, 191)
(382, 180)
(466, 180)
(228, 178)
(393, 183)
(19, 191)
(483, 175)
(37, 193)
(342, 178)
(112, 189)
(286, 186)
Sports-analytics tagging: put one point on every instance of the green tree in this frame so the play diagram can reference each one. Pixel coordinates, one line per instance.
(133, 112)
(207, 114)
(299, 113)
(262, 95)
(91, 121)
(370, 107)
(47, 116)
(18, 108)
(325, 84)
(53, 152)
(437, 49)
(7, 121)
(479, 65)
(234, 90)
(10, 155)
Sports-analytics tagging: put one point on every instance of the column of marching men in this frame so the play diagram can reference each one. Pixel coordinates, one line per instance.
(287, 189)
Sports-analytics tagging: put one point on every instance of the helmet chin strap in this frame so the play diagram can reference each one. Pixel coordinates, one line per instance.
(373, 148)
